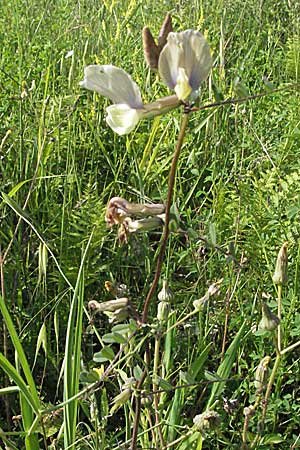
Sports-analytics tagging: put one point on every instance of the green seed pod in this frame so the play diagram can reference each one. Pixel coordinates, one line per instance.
(280, 275)
(146, 400)
(269, 321)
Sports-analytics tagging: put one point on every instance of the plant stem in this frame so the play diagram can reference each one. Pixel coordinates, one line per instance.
(155, 388)
(233, 101)
(159, 264)
(165, 234)
(279, 306)
(277, 344)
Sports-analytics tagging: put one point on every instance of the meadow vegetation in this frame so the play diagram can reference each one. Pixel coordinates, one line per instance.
(73, 378)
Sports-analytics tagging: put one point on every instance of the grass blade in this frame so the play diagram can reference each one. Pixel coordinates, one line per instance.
(72, 357)
(226, 366)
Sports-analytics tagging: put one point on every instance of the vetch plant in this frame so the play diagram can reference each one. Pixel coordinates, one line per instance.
(165, 358)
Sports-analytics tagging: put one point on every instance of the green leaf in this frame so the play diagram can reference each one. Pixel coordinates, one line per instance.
(10, 370)
(20, 354)
(188, 443)
(114, 338)
(200, 361)
(272, 439)
(41, 341)
(106, 354)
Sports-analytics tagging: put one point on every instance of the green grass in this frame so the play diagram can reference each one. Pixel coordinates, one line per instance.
(237, 190)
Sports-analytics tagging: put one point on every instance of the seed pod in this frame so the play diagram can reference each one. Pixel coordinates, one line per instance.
(163, 309)
(151, 49)
(280, 275)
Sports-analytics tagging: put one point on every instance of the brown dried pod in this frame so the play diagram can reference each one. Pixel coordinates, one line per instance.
(151, 52)
(166, 28)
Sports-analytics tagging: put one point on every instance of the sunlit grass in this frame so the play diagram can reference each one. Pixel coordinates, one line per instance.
(236, 202)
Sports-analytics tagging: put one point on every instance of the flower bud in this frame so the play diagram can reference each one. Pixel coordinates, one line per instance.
(120, 315)
(124, 395)
(209, 420)
(110, 306)
(166, 28)
(280, 275)
(141, 225)
(213, 290)
(120, 399)
(261, 374)
(165, 295)
(269, 321)
(163, 309)
(151, 51)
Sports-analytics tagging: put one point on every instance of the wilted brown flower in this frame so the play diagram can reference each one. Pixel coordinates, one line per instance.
(118, 209)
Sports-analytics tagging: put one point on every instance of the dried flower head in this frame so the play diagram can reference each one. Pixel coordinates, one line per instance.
(118, 209)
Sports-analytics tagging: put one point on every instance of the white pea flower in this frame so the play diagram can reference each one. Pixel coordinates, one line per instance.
(128, 108)
(184, 62)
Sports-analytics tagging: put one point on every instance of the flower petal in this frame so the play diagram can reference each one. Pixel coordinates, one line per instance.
(122, 119)
(183, 88)
(188, 50)
(114, 83)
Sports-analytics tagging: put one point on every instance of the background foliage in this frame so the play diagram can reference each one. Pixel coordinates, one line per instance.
(237, 188)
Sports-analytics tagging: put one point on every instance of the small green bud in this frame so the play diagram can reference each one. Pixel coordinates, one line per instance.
(209, 420)
(261, 374)
(280, 275)
(146, 400)
(269, 321)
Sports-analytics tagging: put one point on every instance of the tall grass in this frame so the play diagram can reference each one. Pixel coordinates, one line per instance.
(63, 367)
